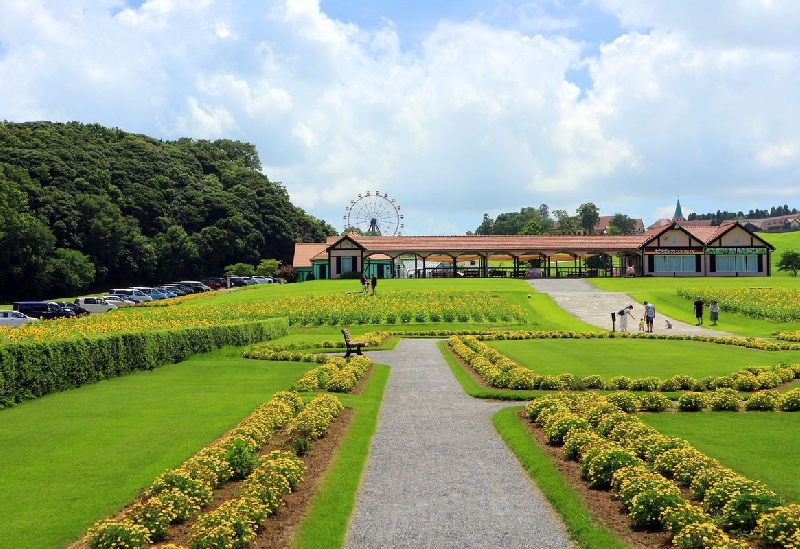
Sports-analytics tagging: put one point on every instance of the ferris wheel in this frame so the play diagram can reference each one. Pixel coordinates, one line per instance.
(374, 214)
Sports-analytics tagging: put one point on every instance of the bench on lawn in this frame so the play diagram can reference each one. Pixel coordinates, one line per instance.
(352, 345)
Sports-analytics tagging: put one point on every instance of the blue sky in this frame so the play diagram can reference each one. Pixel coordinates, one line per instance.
(453, 108)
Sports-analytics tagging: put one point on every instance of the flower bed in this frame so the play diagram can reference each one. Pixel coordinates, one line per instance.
(185, 493)
(776, 304)
(646, 471)
(500, 371)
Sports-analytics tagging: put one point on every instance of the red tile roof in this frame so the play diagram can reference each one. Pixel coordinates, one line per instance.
(305, 252)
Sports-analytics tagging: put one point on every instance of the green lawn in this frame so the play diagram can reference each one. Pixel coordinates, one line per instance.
(71, 458)
(759, 445)
(636, 358)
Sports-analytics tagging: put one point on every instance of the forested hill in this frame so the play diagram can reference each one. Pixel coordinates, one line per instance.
(89, 207)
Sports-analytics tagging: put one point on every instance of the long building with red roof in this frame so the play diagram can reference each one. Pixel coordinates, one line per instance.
(673, 250)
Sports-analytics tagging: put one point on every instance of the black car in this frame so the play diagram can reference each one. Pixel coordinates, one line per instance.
(74, 307)
(42, 309)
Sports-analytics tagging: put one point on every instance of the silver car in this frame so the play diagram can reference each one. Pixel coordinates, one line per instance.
(15, 319)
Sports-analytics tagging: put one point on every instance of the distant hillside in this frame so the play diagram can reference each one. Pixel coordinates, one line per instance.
(86, 206)
(782, 243)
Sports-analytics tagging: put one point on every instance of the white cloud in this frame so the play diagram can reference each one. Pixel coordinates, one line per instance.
(693, 100)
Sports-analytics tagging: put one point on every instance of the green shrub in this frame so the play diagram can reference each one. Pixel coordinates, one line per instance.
(602, 460)
(691, 402)
(625, 401)
(619, 383)
(593, 382)
(111, 534)
(790, 401)
(777, 526)
(724, 400)
(654, 402)
(763, 401)
(645, 384)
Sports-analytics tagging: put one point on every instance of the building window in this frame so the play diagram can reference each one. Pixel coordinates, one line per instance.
(347, 264)
(675, 263)
(736, 263)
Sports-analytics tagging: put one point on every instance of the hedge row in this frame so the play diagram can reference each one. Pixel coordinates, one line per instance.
(502, 372)
(33, 369)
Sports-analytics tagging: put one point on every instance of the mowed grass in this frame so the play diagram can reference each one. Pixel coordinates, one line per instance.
(71, 458)
(759, 445)
(636, 358)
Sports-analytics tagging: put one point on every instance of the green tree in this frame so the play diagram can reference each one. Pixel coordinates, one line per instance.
(240, 269)
(623, 223)
(267, 267)
(69, 271)
(588, 215)
(790, 262)
(532, 227)
(566, 223)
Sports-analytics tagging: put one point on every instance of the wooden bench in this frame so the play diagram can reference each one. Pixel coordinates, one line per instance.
(352, 345)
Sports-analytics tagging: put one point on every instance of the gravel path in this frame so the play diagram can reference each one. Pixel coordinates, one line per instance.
(438, 474)
(593, 306)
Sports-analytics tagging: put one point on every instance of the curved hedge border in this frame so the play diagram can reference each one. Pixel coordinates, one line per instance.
(645, 469)
(33, 369)
(500, 371)
(337, 375)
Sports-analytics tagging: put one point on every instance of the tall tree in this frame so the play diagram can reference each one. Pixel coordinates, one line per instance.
(623, 223)
(588, 215)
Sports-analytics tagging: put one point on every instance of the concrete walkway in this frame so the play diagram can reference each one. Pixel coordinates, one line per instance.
(593, 306)
(438, 474)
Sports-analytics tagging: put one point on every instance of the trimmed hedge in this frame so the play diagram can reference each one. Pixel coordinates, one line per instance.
(33, 369)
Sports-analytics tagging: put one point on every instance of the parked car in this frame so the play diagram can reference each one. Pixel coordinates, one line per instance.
(15, 319)
(130, 292)
(152, 292)
(77, 309)
(214, 282)
(120, 301)
(95, 304)
(241, 281)
(42, 309)
(194, 284)
(262, 279)
(171, 290)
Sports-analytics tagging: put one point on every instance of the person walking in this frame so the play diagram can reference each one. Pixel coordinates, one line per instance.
(649, 316)
(374, 283)
(698, 310)
(713, 311)
(623, 314)
(364, 285)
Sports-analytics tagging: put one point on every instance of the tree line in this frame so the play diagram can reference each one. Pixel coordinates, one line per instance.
(720, 216)
(541, 220)
(85, 207)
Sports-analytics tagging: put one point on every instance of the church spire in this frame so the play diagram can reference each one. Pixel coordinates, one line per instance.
(678, 214)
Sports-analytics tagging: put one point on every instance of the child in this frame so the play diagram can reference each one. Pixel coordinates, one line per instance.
(641, 324)
(669, 324)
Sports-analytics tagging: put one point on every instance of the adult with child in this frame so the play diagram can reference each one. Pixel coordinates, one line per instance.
(649, 316)
(698, 310)
(623, 314)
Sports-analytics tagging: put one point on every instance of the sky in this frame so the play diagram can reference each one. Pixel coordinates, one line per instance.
(453, 108)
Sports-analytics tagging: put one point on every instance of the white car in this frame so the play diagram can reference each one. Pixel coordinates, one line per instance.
(95, 304)
(118, 300)
(262, 279)
(15, 319)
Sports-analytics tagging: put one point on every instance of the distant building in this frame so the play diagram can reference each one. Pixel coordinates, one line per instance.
(604, 221)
